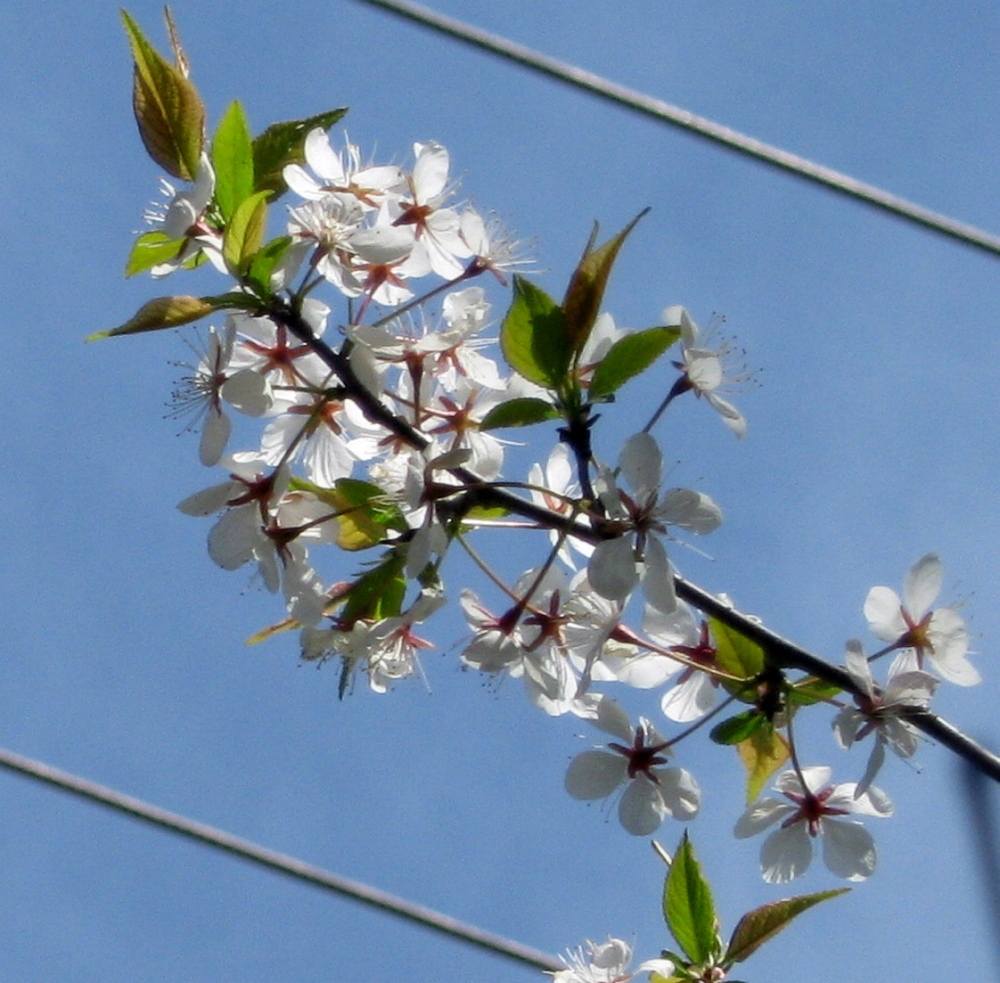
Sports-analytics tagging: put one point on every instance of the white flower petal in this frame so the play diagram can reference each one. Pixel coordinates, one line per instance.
(233, 539)
(430, 171)
(208, 501)
(214, 437)
(704, 369)
(875, 761)
(857, 666)
(689, 700)
(923, 584)
(641, 463)
(848, 849)
(611, 570)
(595, 774)
(613, 720)
(846, 725)
(647, 671)
(731, 416)
(957, 670)
(641, 809)
(679, 791)
(657, 579)
(249, 392)
(786, 854)
(760, 816)
(816, 777)
(882, 609)
(689, 510)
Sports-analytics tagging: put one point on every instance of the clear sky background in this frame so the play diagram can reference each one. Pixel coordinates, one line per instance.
(874, 438)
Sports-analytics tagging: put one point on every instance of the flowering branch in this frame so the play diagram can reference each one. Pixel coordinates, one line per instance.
(413, 400)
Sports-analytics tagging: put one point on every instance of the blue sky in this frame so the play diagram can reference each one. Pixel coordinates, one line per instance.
(873, 440)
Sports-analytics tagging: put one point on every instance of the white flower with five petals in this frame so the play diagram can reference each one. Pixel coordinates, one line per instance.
(881, 711)
(637, 555)
(652, 792)
(921, 634)
(704, 369)
(811, 808)
(606, 963)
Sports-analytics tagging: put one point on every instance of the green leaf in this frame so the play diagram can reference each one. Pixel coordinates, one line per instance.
(265, 261)
(811, 690)
(736, 654)
(520, 412)
(163, 312)
(688, 907)
(168, 109)
(629, 356)
(245, 232)
(282, 144)
(151, 249)
(585, 292)
(363, 513)
(533, 336)
(761, 924)
(232, 159)
(737, 728)
(762, 754)
(379, 592)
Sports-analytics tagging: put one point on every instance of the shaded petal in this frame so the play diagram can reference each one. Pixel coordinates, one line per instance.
(816, 777)
(613, 955)
(923, 584)
(689, 510)
(848, 849)
(214, 437)
(870, 802)
(857, 666)
(595, 774)
(958, 670)
(875, 761)
(613, 720)
(846, 725)
(679, 791)
(249, 392)
(642, 808)
(731, 416)
(641, 463)
(647, 671)
(611, 569)
(786, 854)
(677, 627)
(210, 500)
(882, 609)
(704, 369)
(657, 579)
(760, 816)
(234, 538)
(678, 317)
(948, 635)
(689, 700)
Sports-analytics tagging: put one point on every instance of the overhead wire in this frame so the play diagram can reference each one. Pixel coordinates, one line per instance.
(280, 862)
(699, 126)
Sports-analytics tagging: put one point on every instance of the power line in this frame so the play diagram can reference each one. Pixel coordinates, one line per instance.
(281, 862)
(697, 125)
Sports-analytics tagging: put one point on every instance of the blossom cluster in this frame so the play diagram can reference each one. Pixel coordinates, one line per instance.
(380, 433)
(356, 348)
